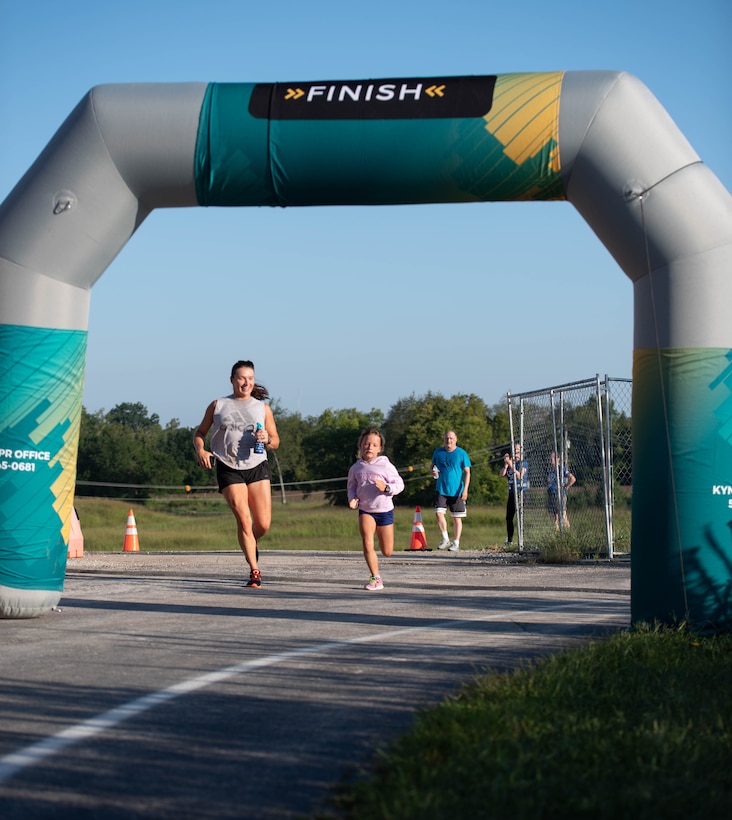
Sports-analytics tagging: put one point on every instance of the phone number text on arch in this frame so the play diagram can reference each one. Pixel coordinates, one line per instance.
(19, 466)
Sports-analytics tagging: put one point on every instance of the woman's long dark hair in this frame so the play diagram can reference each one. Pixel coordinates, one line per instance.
(259, 391)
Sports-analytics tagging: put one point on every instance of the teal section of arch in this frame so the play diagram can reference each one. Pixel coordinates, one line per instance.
(243, 160)
(681, 561)
(397, 163)
(231, 161)
(41, 383)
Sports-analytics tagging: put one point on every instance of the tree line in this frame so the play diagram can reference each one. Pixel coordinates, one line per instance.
(129, 446)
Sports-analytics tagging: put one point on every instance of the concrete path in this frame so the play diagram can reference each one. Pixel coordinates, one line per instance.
(163, 688)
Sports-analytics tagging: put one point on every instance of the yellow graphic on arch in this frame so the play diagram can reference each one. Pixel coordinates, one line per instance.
(525, 115)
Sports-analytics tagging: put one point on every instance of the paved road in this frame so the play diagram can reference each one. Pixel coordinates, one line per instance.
(162, 688)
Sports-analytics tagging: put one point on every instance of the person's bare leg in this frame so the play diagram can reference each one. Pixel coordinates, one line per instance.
(442, 526)
(367, 528)
(237, 497)
(386, 539)
(260, 504)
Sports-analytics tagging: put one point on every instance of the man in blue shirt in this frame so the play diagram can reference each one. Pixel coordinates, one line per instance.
(451, 468)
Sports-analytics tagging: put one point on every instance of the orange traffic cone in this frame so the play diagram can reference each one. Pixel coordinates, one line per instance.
(76, 537)
(132, 544)
(419, 539)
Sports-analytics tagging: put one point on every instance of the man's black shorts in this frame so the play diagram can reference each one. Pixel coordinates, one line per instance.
(454, 504)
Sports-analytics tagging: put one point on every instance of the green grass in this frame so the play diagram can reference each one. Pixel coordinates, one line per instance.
(204, 522)
(637, 726)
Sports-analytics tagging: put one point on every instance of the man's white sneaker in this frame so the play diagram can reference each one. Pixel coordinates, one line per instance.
(443, 545)
(454, 547)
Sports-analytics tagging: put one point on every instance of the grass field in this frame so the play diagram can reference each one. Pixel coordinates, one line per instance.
(204, 522)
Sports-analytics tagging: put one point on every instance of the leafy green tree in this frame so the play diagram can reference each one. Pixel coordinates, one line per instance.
(177, 448)
(622, 446)
(133, 416)
(416, 427)
(500, 425)
(291, 454)
(91, 456)
(331, 447)
(125, 446)
(585, 454)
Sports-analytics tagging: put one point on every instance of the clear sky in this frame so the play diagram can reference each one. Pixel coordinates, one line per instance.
(359, 306)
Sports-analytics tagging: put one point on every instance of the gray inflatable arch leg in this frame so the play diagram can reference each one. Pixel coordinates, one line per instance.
(667, 220)
(123, 151)
(599, 139)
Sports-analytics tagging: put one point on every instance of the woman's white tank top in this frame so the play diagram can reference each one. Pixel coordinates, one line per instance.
(232, 434)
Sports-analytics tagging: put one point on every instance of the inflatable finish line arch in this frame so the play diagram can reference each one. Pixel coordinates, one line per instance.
(597, 139)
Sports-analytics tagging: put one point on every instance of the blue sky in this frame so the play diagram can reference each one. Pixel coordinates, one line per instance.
(361, 306)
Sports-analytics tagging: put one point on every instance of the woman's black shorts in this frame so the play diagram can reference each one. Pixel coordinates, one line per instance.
(226, 475)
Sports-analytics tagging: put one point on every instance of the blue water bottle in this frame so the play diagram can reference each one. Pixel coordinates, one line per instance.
(259, 445)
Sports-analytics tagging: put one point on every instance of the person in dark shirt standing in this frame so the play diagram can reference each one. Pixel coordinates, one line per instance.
(516, 471)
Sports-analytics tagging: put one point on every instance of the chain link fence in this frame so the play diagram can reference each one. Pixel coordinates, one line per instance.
(581, 494)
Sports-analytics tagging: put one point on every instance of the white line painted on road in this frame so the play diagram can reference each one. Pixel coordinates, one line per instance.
(15, 762)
